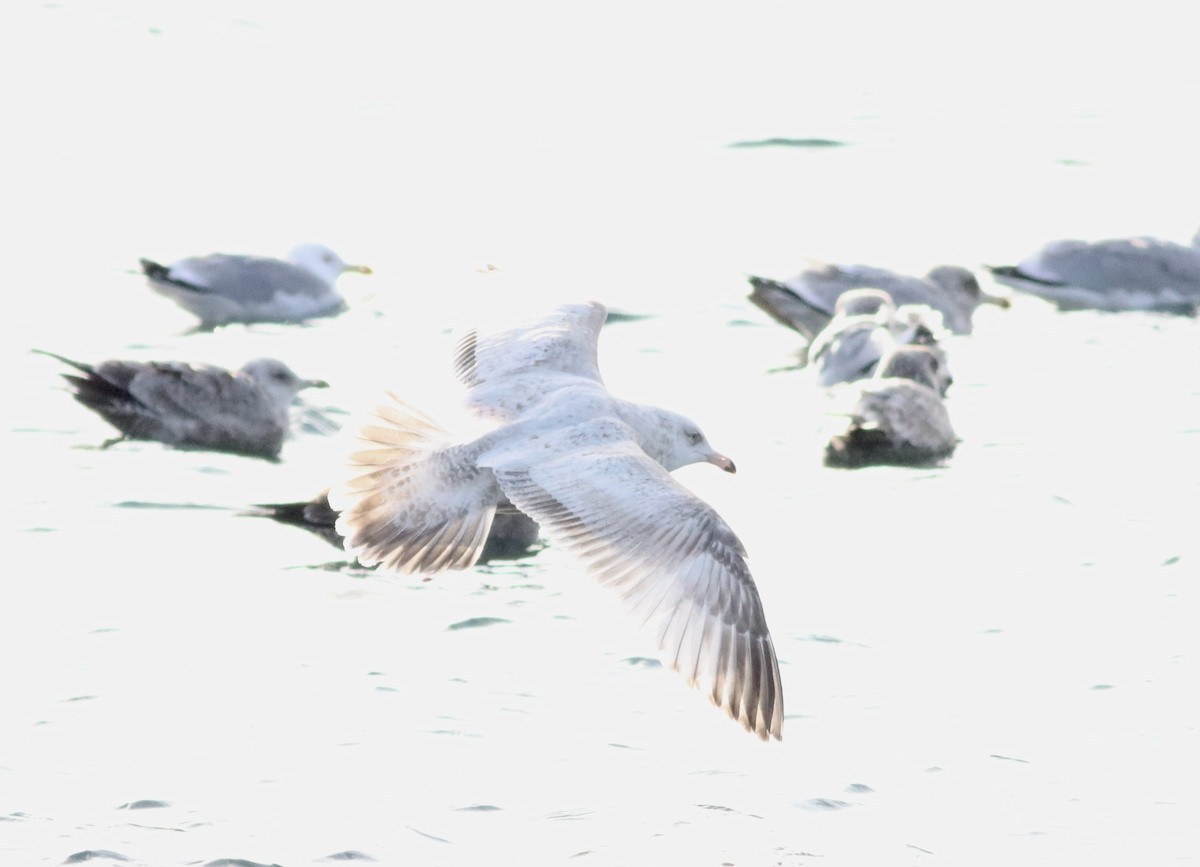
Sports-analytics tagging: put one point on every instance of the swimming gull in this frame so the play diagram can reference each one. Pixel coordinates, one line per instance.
(918, 362)
(898, 416)
(594, 471)
(865, 326)
(806, 301)
(512, 533)
(192, 406)
(221, 288)
(1113, 274)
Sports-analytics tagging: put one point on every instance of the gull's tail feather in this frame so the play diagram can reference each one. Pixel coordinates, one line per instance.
(105, 390)
(418, 504)
(78, 365)
(782, 304)
(154, 270)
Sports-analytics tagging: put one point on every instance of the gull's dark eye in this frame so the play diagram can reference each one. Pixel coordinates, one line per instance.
(694, 437)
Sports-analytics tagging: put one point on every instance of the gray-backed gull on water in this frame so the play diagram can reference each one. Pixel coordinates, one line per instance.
(865, 327)
(192, 406)
(222, 288)
(1113, 274)
(806, 301)
(513, 534)
(897, 417)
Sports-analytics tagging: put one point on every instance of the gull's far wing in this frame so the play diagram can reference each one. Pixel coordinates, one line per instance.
(508, 370)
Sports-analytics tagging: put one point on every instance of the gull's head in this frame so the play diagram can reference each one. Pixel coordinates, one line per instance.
(277, 379)
(923, 364)
(681, 442)
(961, 281)
(320, 260)
(917, 323)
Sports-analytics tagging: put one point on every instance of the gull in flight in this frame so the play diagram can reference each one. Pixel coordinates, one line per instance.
(594, 471)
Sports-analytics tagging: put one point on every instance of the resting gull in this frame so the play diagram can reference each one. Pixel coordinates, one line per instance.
(806, 301)
(192, 406)
(512, 533)
(221, 288)
(898, 416)
(594, 471)
(865, 326)
(1114, 274)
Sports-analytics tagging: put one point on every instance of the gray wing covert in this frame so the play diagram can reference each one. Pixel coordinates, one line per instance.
(249, 279)
(1138, 263)
(210, 407)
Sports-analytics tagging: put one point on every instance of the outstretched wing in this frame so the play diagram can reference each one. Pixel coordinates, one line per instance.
(677, 565)
(507, 371)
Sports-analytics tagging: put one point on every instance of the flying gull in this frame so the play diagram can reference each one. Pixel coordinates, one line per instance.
(221, 288)
(192, 406)
(594, 471)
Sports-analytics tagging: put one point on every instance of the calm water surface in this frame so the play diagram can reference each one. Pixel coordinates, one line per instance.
(994, 661)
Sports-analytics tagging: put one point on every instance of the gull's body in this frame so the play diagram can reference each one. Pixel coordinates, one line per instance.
(1114, 274)
(850, 346)
(806, 302)
(593, 471)
(193, 406)
(866, 325)
(898, 416)
(222, 288)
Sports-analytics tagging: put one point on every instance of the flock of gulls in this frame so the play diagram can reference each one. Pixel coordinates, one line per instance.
(885, 364)
(561, 457)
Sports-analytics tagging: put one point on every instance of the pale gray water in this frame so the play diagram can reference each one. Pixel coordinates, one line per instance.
(990, 662)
